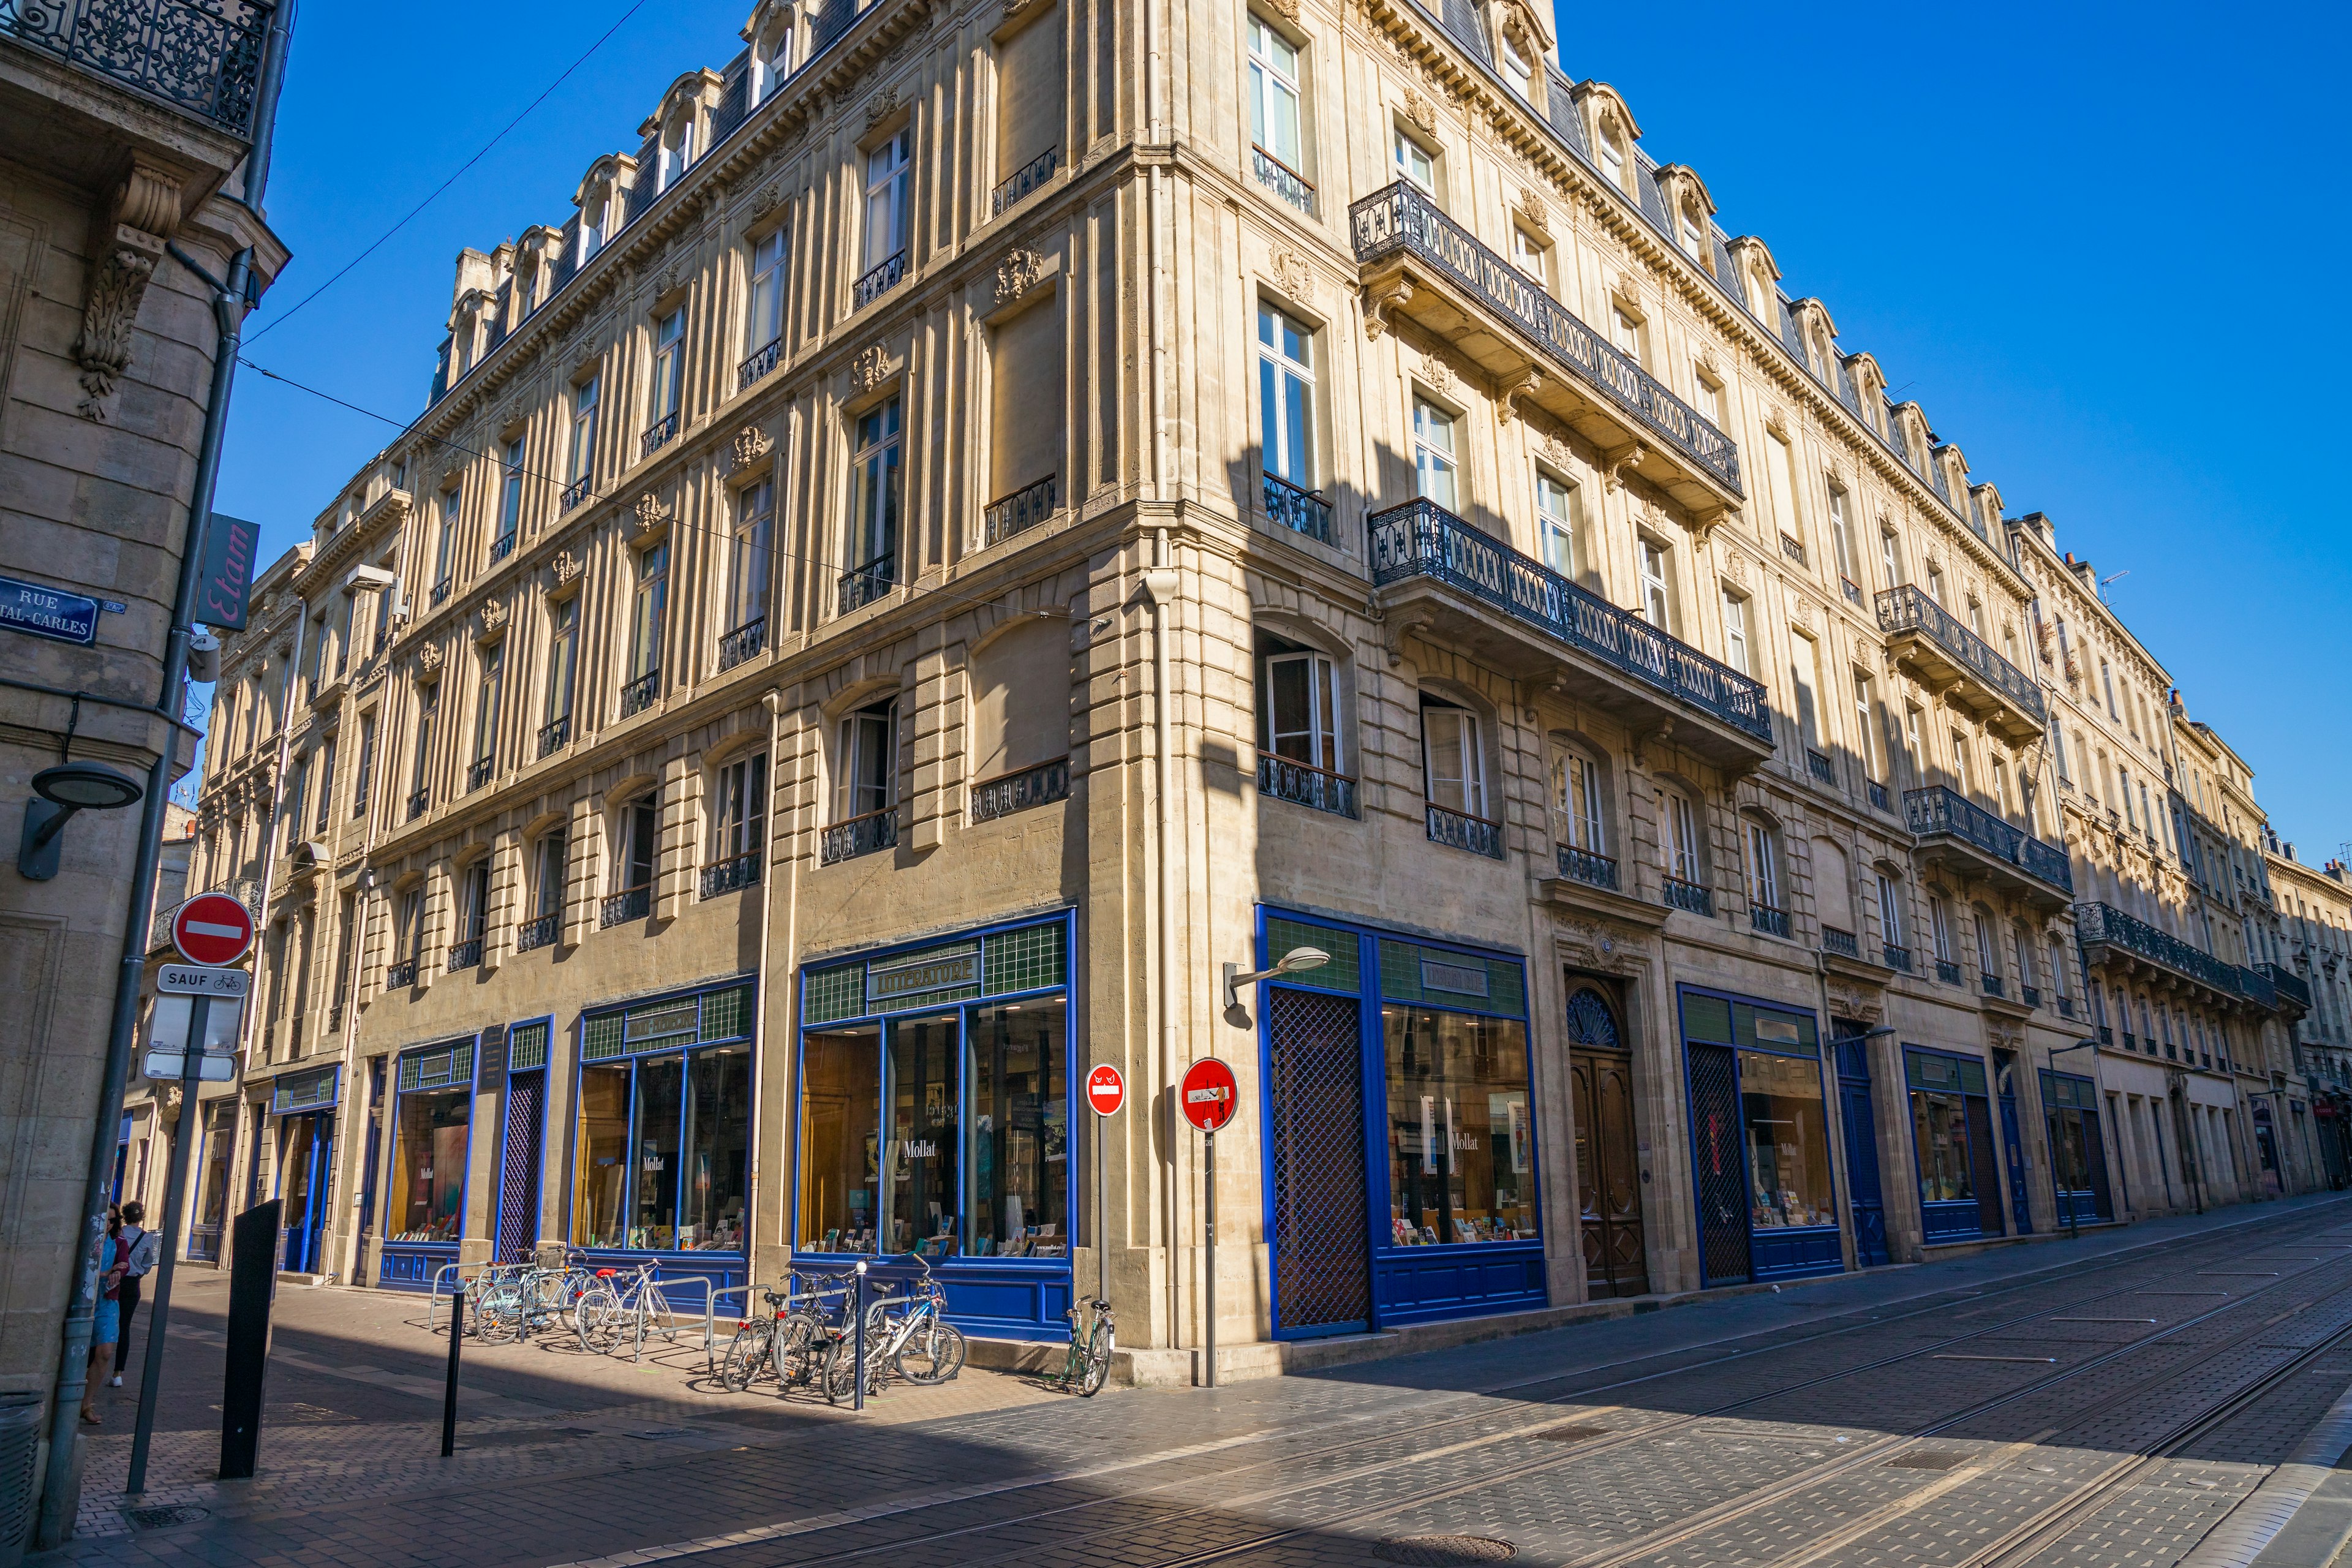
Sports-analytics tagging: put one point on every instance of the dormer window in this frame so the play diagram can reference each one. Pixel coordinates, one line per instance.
(1519, 71)
(1613, 156)
(593, 216)
(678, 150)
(1693, 232)
(773, 61)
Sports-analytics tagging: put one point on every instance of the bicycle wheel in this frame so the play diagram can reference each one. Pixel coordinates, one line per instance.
(840, 1372)
(747, 1354)
(499, 1318)
(653, 1305)
(600, 1319)
(799, 1351)
(932, 1355)
(1097, 1369)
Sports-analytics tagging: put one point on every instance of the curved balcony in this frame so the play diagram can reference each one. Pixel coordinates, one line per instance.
(1019, 512)
(1519, 617)
(1416, 262)
(1975, 845)
(877, 280)
(727, 876)
(1948, 657)
(759, 364)
(2109, 936)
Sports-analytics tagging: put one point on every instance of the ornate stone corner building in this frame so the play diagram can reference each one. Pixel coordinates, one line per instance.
(950, 543)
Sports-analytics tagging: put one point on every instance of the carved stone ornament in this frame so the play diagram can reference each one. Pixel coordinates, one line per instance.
(765, 200)
(146, 212)
(1377, 308)
(1420, 111)
(870, 367)
(1508, 394)
(652, 512)
(751, 444)
(1287, 8)
(1017, 274)
(1735, 567)
(881, 106)
(1015, 8)
(429, 655)
(1708, 363)
(494, 620)
(1555, 450)
(1438, 375)
(1532, 211)
(1293, 276)
(567, 568)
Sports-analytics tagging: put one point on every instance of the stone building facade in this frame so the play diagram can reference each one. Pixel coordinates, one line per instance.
(968, 530)
(2315, 912)
(111, 152)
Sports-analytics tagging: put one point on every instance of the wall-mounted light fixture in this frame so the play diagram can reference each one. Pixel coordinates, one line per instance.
(68, 788)
(1297, 958)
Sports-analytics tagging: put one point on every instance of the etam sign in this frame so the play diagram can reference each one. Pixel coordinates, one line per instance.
(225, 583)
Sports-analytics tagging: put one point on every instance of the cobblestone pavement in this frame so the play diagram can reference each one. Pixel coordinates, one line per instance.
(2110, 1401)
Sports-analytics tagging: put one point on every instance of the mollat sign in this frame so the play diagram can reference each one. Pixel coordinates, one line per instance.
(917, 1149)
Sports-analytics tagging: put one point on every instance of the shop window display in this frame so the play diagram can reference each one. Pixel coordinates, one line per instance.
(1017, 1185)
(1461, 1148)
(428, 1165)
(1939, 1125)
(663, 1145)
(1787, 1140)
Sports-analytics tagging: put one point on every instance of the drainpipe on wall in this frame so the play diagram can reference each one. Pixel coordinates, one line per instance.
(773, 700)
(1158, 585)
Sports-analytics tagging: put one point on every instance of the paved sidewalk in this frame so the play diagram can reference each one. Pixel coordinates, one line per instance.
(566, 1456)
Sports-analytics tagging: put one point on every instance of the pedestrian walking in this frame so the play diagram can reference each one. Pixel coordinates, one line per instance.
(138, 1246)
(103, 1331)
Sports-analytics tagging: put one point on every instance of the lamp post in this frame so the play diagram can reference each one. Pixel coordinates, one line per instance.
(2073, 1227)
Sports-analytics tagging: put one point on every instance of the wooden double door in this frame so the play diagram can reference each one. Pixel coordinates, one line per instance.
(1609, 1173)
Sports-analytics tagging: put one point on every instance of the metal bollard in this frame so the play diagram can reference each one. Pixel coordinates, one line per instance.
(450, 1394)
(857, 1367)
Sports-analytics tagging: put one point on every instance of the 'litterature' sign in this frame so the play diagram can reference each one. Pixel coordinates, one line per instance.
(45, 612)
(940, 969)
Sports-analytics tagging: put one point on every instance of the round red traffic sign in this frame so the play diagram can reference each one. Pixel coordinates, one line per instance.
(1106, 1091)
(211, 928)
(1209, 1095)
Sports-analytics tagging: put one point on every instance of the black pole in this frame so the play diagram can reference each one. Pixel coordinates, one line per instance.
(857, 1366)
(59, 1493)
(449, 1392)
(175, 1188)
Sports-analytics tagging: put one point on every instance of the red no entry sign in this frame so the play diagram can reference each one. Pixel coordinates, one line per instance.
(211, 928)
(1106, 1091)
(1209, 1095)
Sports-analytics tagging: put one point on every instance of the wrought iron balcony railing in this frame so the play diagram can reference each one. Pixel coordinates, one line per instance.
(1301, 784)
(572, 494)
(417, 802)
(1878, 794)
(465, 955)
(1023, 180)
(638, 695)
(1793, 548)
(2030, 994)
(2064, 1003)
(1024, 510)
(744, 642)
(1835, 938)
(878, 280)
(201, 57)
(1300, 510)
(759, 364)
(478, 772)
(861, 585)
(401, 975)
(629, 904)
(1019, 790)
(2254, 986)
(2289, 986)
(1282, 179)
(2097, 924)
(1404, 218)
(441, 592)
(1421, 539)
(536, 933)
(867, 835)
(1457, 831)
(1767, 920)
(659, 434)
(1694, 897)
(1853, 589)
(1909, 608)
(554, 735)
(1940, 810)
(1993, 984)
(1584, 866)
(1818, 764)
(1897, 956)
(736, 871)
(501, 547)
(1948, 972)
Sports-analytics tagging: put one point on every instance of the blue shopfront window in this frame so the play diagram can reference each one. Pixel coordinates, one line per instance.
(663, 1150)
(1952, 1139)
(432, 1124)
(1766, 1189)
(1461, 1146)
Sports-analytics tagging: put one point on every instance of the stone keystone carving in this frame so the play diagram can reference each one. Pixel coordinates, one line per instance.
(1294, 275)
(1420, 111)
(567, 568)
(868, 368)
(1017, 274)
(494, 620)
(1531, 208)
(766, 201)
(652, 511)
(881, 106)
(1554, 450)
(749, 446)
(429, 655)
(1289, 9)
(1438, 374)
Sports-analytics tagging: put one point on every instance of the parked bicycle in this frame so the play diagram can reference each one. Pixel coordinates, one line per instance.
(1086, 1367)
(906, 1331)
(619, 1309)
(790, 1343)
(533, 1300)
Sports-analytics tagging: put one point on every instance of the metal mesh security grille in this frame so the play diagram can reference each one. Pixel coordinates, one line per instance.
(1721, 1177)
(1322, 1270)
(519, 1170)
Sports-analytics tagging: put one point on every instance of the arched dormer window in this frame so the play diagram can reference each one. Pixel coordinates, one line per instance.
(770, 32)
(1610, 130)
(601, 202)
(1692, 210)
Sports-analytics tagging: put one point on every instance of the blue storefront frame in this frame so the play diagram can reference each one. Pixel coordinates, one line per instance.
(999, 1297)
(415, 1265)
(686, 1273)
(1944, 1220)
(1774, 1252)
(500, 1242)
(1408, 1284)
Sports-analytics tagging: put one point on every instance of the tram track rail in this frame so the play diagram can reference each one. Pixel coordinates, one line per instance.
(1429, 1444)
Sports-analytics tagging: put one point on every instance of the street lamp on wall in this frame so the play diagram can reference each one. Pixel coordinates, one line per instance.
(65, 790)
(1293, 962)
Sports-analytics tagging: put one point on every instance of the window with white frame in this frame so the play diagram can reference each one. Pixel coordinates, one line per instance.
(1453, 766)
(1935, 583)
(1890, 556)
(669, 364)
(763, 320)
(1432, 455)
(1805, 684)
(1987, 962)
(1576, 802)
(1626, 332)
(886, 199)
(1559, 520)
(474, 902)
(1414, 161)
(1285, 385)
(1678, 821)
(486, 706)
(1890, 911)
(2023, 941)
(428, 707)
(740, 814)
(1963, 775)
(1657, 583)
(636, 844)
(1275, 97)
(865, 762)
(444, 546)
(1613, 156)
(551, 873)
(1298, 706)
(1519, 70)
(1736, 650)
(1763, 868)
(1866, 727)
(2058, 975)
(562, 655)
(510, 490)
(773, 61)
(583, 450)
(678, 148)
(648, 610)
(1840, 539)
(747, 575)
(875, 491)
(1531, 256)
(1706, 393)
(1939, 922)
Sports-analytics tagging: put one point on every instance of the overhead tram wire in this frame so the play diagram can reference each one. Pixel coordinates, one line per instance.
(961, 600)
(435, 194)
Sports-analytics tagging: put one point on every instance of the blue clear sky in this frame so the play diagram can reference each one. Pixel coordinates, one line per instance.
(2099, 246)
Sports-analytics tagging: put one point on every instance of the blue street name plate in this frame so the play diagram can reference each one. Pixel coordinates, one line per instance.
(45, 612)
